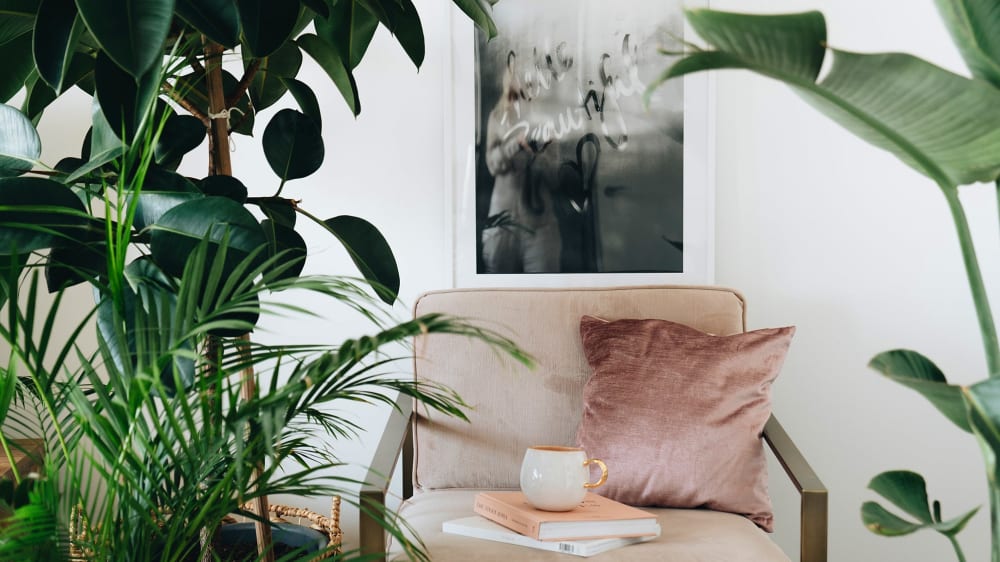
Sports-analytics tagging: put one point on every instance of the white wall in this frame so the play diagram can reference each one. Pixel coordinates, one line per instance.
(815, 227)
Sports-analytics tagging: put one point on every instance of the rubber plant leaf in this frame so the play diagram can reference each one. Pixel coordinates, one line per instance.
(181, 134)
(288, 246)
(332, 63)
(105, 145)
(935, 121)
(37, 213)
(20, 145)
(131, 32)
(306, 98)
(267, 24)
(54, 40)
(907, 490)
(179, 231)
(267, 85)
(350, 26)
(217, 19)
(293, 144)
(123, 99)
(975, 29)
(18, 65)
(479, 15)
(913, 370)
(401, 19)
(370, 253)
(17, 17)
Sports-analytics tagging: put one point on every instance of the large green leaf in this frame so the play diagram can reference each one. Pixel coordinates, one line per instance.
(18, 65)
(479, 15)
(224, 186)
(131, 32)
(181, 134)
(40, 94)
(217, 19)
(370, 253)
(933, 120)
(306, 98)
(983, 402)
(350, 27)
(179, 231)
(913, 370)
(55, 37)
(20, 145)
(293, 145)
(332, 63)
(152, 205)
(401, 19)
(283, 241)
(17, 18)
(267, 24)
(267, 86)
(37, 213)
(124, 101)
(77, 261)
(908, 491)
(975, 28)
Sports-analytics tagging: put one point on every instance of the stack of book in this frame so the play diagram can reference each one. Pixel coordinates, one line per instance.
(596, 526)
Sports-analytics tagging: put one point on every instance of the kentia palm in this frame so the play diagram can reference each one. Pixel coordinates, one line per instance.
(152, 421)
(943, 125)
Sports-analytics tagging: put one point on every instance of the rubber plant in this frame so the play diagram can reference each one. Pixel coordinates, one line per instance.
(158, 86)
(945, 126)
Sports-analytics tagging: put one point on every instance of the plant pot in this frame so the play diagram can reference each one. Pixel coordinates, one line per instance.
(238, 541)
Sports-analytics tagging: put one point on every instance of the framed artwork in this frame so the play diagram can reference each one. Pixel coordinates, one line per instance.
(561, 175)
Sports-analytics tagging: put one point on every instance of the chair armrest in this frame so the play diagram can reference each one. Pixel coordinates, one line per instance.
(376, 482)
(813, 547)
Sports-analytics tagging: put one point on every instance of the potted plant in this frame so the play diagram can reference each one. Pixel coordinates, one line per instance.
(941, 124)
(159, 434)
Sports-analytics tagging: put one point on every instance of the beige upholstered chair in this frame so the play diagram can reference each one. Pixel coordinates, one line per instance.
(447, 460)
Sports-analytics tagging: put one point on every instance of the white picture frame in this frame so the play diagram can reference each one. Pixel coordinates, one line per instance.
(460, 173)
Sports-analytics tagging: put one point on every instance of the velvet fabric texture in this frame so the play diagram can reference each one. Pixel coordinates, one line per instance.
(677, 414)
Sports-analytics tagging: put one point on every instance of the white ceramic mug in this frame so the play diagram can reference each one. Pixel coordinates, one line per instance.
(557, 478)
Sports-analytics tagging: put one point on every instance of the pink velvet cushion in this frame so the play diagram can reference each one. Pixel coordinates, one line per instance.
(677, 414)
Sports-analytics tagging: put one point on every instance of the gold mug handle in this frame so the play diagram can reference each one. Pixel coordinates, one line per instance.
(604, 473)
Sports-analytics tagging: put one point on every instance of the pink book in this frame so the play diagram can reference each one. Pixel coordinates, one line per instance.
(595, 517)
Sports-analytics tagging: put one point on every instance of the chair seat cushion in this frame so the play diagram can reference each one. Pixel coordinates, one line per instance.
(688, 535)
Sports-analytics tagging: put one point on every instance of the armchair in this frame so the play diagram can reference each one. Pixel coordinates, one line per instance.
(446, 461)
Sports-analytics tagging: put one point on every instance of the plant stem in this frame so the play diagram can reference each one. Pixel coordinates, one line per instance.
(975, 275)
(958, 549)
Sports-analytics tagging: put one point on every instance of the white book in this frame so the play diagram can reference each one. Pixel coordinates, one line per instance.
(482, 528)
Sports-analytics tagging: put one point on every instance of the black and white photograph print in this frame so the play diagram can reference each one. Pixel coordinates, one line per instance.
(573, 173)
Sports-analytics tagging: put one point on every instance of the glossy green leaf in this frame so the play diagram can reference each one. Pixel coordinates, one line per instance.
(913, 370)
(267, 24)
(18, 65)
(103, 146)
(928, 117)
(975, 29)
(331, 62)
(306, 99)
(179, 231)
(217, 19)
(370, 253)
(293, 145)
(75, 263)
(40, 95)
(20, 145)
(267, 86)
(131, 32)
(287, 244)
(15, 22)
(124, 101)
(224, 186)
(37, 213)
(181, 134)
(350, 26)
(154, 204)
(401, 19)
(908, 491)
(320, 7)
(278, 209)
(241, 119)
(55, 40)
(479, 15)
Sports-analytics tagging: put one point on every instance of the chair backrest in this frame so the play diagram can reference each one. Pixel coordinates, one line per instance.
(513, 407)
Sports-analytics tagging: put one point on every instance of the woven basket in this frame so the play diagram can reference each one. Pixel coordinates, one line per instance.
(329, 526)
